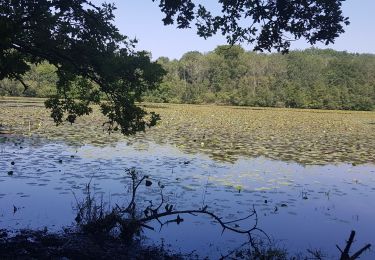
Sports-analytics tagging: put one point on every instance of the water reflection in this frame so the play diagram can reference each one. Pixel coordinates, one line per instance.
(300, 206)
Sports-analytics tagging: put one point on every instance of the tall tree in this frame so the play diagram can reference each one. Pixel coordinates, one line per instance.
(93, 60)
(91, 57)
(313, 78)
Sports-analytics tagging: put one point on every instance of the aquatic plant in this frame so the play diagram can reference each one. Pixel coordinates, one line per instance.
(309, 137)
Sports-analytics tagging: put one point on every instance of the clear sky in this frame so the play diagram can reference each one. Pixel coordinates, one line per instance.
(142, 19)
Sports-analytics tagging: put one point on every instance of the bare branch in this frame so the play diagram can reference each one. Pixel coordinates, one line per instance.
(345, 254)
(17, 77)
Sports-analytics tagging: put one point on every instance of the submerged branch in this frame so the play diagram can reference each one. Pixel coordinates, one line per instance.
(345, 253)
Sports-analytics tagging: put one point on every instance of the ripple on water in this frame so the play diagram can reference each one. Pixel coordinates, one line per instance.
(230, 189)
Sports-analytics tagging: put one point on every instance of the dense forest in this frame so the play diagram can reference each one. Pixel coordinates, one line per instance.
(313, 78)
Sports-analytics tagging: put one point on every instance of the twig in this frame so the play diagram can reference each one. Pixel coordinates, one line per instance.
(17, 77)
(205, 191)
(224, 225)
(233, 251)
(135, 186)
(345, 253)
(99, 221)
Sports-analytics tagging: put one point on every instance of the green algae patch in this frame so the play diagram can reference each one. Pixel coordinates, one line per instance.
(309, 137)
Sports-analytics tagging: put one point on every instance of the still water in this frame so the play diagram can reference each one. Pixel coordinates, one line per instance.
(299, 207)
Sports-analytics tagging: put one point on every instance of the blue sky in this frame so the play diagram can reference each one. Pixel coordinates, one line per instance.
(142, 19)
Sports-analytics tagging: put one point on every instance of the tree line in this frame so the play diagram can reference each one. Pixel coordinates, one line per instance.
(229, 75)
(312, 78)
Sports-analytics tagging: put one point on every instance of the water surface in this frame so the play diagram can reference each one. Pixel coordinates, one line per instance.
(300, 206)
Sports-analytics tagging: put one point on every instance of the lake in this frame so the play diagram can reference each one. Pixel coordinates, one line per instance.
(310, 174)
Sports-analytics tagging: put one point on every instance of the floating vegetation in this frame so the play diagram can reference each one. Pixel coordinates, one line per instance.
(314, 137)
(190, 182)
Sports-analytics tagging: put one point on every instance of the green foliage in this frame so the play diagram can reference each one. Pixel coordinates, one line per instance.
(312, 78)
(81, 58)
(95, 64)
(266, 24)
(40, 80)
